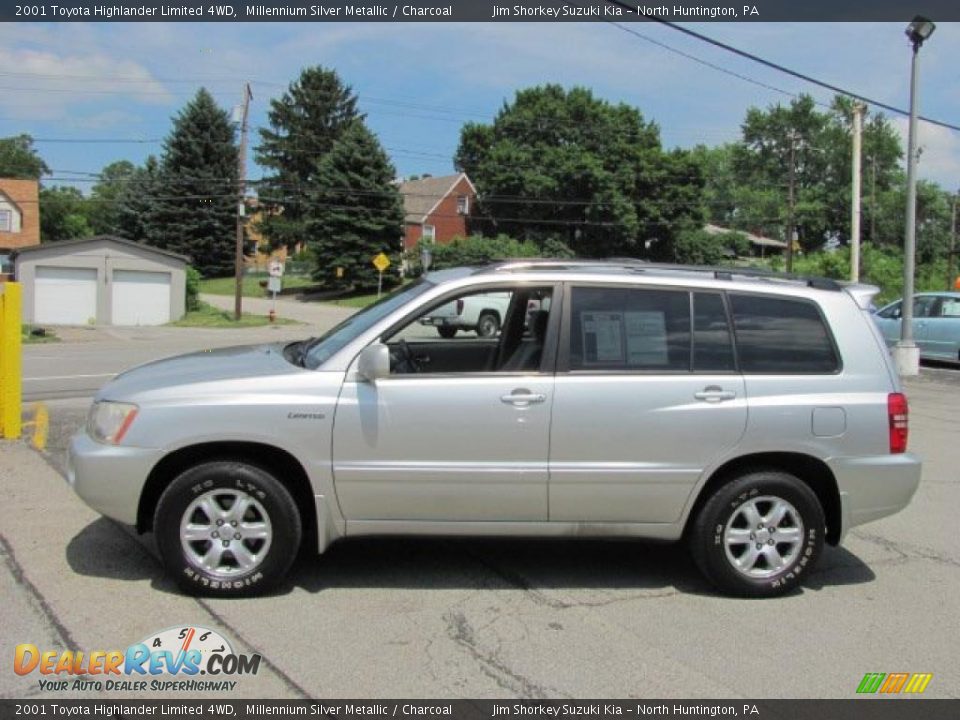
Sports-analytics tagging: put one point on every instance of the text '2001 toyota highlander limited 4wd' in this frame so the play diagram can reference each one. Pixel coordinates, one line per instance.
(756, 416)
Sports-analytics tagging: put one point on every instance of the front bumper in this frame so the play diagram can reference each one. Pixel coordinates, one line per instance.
(109, 478)
(874, 487)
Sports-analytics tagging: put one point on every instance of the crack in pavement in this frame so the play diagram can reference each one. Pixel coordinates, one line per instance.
(461, 632)
(36, 597)
(907, 551)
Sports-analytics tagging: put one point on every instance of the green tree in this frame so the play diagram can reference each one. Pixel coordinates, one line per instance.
(563, 164)
(105, 197)
(18, 159)
(354, 210)
(305, 123)
(195, 211)
(63, 214)
(135, 206)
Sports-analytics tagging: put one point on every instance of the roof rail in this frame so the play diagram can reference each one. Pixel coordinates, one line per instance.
(640, 266)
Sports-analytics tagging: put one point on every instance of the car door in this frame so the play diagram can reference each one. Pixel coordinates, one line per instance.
(924, 307)
(449, 436)
(642, 405)
(943, 329)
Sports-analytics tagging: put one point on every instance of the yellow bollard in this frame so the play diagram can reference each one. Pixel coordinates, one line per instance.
(10, 367)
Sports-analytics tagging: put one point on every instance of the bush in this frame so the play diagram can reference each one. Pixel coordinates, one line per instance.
(193, 289)
(478, 250)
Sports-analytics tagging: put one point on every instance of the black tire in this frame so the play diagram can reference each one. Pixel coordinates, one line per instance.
(447, 332)
(488, 325)
(266, 496)
(730, 503)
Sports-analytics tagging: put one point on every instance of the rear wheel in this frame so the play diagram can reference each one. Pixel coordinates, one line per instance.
(759, 535)
(447, 332)
(488, 325)
(227, 528)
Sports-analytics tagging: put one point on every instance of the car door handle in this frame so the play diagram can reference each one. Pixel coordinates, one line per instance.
(713, 393)
(522, 398)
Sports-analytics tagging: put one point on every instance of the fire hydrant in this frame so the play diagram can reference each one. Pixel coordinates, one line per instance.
(272, 314)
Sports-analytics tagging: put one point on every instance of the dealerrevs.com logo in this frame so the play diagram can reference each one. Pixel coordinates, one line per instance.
(185, 659)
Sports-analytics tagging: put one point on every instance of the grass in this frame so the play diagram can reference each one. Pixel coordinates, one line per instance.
(210, 317)
(251, 285)
(28, 338)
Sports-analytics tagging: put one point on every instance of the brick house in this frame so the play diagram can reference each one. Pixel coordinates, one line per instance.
(436, 208)
(19, 217)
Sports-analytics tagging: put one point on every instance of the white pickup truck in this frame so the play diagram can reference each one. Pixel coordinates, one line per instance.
(481, 313)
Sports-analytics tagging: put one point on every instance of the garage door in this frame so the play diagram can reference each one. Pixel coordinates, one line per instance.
(141, 298)
(65, 296)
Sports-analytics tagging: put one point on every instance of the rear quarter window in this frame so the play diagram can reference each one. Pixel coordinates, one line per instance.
(782, 335)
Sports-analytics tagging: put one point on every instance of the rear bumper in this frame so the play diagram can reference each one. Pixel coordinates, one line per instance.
(874, 487)
(109, 478)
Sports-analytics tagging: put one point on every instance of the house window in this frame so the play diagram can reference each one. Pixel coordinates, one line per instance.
(6, 221)
(463, 205)
(429, 233)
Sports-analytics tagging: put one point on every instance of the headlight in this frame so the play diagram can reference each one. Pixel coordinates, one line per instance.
(109, 421)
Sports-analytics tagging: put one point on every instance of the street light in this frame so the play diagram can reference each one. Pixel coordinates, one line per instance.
(906, 352)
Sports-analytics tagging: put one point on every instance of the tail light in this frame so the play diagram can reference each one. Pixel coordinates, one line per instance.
(460, 306)
(897, 413)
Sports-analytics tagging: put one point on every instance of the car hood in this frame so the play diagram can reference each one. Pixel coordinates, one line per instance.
(206, 366)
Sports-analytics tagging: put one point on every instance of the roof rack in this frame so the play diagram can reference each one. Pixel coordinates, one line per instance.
(636, 265)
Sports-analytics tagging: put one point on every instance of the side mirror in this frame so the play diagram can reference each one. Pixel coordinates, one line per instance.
(374, 362)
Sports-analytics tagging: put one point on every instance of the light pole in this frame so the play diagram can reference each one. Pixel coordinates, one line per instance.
(906, 353)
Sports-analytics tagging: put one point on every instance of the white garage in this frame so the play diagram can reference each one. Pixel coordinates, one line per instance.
(141, 297)
(101, 280)
(65, 295)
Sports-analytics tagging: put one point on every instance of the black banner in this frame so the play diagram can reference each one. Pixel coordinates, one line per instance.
(477, 11)
(879, 709)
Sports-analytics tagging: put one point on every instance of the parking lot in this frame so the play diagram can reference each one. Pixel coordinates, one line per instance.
(505, 618)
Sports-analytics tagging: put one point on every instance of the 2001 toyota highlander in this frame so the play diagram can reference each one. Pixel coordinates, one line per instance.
(756, 416)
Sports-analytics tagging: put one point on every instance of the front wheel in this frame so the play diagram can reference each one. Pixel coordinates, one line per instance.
(227, 528)
(759, 535)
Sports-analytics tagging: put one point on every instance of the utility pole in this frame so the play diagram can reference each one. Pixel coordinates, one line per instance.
(873, 200)
(952, 257)
(792, 137)
(858, 109)
(241, 193)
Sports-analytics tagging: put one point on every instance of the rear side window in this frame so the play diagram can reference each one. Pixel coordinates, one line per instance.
(778, 335)
(629, 329)
(712, 344)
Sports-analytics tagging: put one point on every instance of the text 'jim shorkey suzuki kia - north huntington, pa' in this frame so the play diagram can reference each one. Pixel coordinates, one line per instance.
(754, 416)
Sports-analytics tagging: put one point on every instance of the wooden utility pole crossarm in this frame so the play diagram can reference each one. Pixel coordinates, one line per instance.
(241, 194)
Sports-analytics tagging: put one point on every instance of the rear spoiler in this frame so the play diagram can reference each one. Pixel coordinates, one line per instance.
(862, 294)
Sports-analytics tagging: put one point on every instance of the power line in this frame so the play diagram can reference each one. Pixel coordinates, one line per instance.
(776, 66)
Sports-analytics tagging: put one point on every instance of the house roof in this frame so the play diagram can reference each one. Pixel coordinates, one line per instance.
(420, 197)
(754, 239)
(78, 242)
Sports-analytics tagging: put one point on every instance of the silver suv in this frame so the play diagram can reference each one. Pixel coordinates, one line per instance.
(755, 416)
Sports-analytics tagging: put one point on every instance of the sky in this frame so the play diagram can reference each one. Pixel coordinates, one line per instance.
(96, 83)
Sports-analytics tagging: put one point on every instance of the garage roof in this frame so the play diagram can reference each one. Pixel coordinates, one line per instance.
(79, 242)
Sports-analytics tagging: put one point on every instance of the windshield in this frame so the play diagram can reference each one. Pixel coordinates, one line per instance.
(321, 349)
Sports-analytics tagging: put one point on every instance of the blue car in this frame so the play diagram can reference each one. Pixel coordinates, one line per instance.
(936, 325)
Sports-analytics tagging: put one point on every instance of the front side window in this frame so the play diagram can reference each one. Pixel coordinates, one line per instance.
(624, 329)
(781, 335)
(923, 305)
(481, 331)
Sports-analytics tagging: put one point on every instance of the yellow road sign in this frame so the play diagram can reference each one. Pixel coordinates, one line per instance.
(381, 262)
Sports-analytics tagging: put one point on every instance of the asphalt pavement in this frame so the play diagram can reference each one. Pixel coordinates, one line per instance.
(506, 618)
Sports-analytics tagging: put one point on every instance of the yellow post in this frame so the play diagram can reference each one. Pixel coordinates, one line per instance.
(10, 369)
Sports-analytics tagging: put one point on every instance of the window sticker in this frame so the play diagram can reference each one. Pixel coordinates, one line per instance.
(646, 338)
(602, 338)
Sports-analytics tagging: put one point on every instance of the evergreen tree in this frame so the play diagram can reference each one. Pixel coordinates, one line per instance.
(304, 125)
(105, 197)
(354, 211)
(135, 205)
(195, 211)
